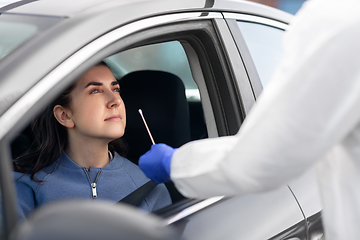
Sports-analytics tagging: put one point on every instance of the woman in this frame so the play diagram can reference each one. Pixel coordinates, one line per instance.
(79, 150)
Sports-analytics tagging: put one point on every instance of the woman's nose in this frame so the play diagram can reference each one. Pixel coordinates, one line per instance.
(114, 100)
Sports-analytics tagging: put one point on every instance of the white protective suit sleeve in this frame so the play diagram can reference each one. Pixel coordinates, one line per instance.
(311, 104)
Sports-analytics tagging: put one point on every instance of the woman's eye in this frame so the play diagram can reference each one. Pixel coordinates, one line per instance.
(95, 91)
(116, 89)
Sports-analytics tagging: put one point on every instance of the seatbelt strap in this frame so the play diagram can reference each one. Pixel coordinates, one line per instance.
(139, 194)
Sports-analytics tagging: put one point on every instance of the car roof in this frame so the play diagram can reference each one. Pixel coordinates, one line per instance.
(72, 8)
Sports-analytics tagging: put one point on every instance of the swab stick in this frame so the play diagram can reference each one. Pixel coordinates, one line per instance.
(147, 128)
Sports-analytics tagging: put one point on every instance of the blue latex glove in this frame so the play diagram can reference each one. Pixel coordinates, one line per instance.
(156, 162)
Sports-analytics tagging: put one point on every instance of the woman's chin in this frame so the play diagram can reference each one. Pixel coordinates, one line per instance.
(116, 136)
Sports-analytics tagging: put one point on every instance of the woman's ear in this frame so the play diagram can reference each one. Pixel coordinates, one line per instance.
(62, 116)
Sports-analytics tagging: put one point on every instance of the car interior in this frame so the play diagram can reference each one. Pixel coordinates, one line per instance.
(159, 83)
(161, 97)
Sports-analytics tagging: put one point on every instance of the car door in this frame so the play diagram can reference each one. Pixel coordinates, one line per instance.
(226, 95)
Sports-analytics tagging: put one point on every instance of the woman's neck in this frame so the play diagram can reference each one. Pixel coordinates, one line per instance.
(89, 155)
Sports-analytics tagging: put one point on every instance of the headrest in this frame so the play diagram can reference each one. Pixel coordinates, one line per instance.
(161, 97)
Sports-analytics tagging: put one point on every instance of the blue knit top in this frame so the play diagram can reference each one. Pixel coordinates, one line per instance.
(66, 180)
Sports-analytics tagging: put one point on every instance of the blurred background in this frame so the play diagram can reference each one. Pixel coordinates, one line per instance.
(290, 6)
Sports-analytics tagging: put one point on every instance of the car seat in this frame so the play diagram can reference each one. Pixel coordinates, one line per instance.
(161, 97)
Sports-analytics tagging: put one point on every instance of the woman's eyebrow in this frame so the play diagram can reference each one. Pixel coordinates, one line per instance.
(114, 83)
(93, 84)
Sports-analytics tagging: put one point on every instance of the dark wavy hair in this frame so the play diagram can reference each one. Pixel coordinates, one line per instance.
(51, 138)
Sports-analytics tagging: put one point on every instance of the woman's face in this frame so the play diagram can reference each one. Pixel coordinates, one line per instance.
(96, 107)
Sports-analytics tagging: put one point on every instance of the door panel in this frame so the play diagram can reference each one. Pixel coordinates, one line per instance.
(255, 216)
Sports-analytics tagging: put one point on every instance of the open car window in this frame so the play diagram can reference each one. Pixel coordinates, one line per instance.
(157, 79)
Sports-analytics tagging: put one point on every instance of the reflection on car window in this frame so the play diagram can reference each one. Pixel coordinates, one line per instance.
(265, 46)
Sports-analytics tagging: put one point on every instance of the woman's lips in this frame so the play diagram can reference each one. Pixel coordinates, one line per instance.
(114, 118)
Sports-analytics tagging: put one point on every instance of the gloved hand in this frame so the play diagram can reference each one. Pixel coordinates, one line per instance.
(156, 162)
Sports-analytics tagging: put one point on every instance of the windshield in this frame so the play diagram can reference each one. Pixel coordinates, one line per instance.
(17, 29)
(13, 34)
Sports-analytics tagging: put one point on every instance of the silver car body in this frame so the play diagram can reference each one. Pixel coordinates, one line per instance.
(82, 32)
